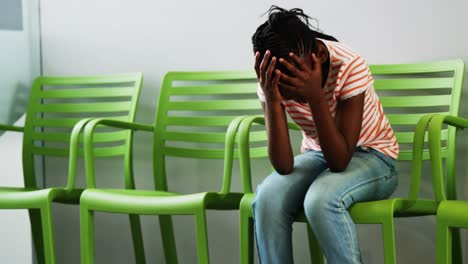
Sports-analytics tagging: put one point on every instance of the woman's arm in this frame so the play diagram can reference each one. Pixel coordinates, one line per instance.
(279, 145)
(338, 137)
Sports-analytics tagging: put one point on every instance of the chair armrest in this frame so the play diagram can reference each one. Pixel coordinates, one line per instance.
(451, 120)
(73, 155)
(88, 141)
(5, 127)
(418, 149)
(244, 150)
(230, 140)
(117, 124)
(435, 147)
(244, 146)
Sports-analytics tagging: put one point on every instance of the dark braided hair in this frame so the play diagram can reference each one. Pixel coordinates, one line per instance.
(286, 31)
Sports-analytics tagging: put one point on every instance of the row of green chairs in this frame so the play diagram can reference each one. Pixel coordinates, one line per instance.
(195, 110)
(203, 115)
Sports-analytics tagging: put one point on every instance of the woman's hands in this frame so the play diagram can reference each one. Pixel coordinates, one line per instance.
(304, 83)
(267, 80)
(279, 145)
(306, 79)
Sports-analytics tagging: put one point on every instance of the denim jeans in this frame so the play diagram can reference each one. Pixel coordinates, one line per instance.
(324, 195)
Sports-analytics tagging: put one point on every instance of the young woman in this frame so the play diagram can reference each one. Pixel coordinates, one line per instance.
(348, 147)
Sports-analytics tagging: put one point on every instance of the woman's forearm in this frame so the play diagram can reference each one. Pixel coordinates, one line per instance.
(279, 145)
(334, 146)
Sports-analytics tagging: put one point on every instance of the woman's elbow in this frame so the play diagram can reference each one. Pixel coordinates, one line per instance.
(338, 166)
(284, 169)
(282, 165)
(337, 169)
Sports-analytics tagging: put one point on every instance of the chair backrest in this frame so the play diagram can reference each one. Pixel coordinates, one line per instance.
(194, 111)
(408, 92)
(56, 104)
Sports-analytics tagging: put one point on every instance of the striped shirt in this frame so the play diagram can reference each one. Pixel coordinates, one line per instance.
(348, 76)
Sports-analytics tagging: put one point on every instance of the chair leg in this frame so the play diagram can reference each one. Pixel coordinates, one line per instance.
(36, 229)
(316, 256)
(246, 239)
(202, 237)
(87, 235)
(48, 234)
(388, 230)
(444, 239)
(457, 252)
(167, 234)
(137, 237)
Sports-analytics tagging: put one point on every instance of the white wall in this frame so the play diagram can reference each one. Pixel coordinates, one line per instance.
(19, 62)
(16, 242)
(109, 36)
(19, 65)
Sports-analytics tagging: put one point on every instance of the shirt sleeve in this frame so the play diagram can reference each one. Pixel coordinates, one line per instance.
(260, 93)
(357, 79)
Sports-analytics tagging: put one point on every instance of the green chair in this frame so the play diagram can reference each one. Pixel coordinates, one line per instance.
(55, 116)
(407, 95)
(452, 214)
(197, 117)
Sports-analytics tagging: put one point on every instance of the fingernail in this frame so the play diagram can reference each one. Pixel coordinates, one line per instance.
(274, 59)
(281, 60)
(291, 54)
(267, 52)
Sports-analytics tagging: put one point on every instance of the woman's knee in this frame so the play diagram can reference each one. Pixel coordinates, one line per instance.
(278, 194)
(269, 195)
(320, 202)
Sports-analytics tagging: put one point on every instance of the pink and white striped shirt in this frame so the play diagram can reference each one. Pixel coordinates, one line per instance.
(348, 76)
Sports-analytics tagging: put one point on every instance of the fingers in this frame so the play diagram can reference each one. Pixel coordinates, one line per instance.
(285, 79)
(293, 69)
(263, 65)
(276, 79)
(300, 64)
(257, 64)
(316, 63)
(271, 68)
(288, 87)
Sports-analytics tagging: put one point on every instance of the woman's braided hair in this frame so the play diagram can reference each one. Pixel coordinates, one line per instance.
(286, 31)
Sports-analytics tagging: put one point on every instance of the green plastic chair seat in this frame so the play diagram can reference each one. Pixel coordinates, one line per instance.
(28, 198)
(399, 207)
(453, 213)
(147, 202)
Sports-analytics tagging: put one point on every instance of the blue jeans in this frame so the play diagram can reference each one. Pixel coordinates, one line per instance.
(324, 196)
